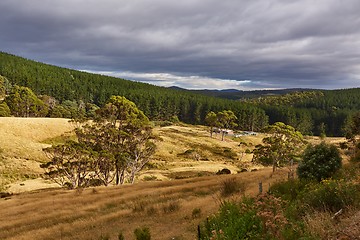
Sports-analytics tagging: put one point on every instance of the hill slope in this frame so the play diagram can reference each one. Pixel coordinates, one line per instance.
(183, 151)
(170, 208)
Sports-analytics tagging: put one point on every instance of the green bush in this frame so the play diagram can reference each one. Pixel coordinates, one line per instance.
(331, 195)
(150, 178)
(263, 217)
(142, 233)
(4, 110)
(288, 190)
(234, 221)
(196, 213)
(319, 162)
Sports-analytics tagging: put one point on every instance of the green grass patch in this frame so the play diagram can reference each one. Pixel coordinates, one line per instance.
(62, 139)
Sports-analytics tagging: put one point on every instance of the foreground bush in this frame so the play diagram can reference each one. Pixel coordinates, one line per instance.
(234, 221)
(253, 218)
(142, 233)
(231, 186)
(331, 195)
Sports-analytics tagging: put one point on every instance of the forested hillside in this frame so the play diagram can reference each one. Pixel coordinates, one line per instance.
(235, 94)
(76, 89)
(310, 111)
(319, 112)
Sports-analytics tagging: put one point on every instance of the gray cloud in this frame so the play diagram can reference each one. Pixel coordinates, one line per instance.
(247, 44)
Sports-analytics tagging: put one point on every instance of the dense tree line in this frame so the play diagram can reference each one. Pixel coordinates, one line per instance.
(309, 111)
(312, 112)
(69, 93)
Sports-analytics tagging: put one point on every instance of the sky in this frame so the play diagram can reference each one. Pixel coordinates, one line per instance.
(193, 44)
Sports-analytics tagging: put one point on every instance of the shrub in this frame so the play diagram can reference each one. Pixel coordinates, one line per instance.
(234, 221)
(223, 171)
(196, 213)
(150, 178)
(262, 217)
(163, 123)
(171, 207)
(121, 236)
(319, 162)
(231, 186)
(356, 155)
(142, 233)
(4, 110)
(331, 195)
(288, 190)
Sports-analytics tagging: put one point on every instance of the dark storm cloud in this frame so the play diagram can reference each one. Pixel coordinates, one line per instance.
(246, 44)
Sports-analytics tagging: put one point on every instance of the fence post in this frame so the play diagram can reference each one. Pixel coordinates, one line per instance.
(199, 233)
(260, 188)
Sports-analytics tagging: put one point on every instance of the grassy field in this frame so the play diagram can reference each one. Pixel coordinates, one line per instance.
(182, 152)
(171, 209)
(176, 191)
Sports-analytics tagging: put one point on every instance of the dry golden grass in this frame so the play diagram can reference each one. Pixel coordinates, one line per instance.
(90, 213)
(323, 226)
(22, 137)
(166, 207)
(22, 141)
(21, 145)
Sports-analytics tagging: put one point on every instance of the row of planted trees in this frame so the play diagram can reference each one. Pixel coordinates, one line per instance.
(111, 148)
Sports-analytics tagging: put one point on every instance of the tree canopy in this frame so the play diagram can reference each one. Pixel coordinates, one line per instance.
(280, 148)
(24, 103)
(114, 146)
(303, 109)
(352, 133)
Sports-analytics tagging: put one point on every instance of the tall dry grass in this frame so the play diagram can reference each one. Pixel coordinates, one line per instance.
(165, 207)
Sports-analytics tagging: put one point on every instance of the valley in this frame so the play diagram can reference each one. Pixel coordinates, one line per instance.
(171, 196)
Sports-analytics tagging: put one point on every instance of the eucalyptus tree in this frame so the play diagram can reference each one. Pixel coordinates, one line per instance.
(118, 142)
(280, 148)
(70, 164)
(226, 120)
(211, 120)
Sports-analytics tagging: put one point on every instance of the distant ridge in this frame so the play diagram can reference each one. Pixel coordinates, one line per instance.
(235, 94)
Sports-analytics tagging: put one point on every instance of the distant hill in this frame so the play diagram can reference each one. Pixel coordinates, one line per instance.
(235, 94)
(305, 109)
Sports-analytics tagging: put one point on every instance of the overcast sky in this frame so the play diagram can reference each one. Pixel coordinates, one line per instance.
(194, 44)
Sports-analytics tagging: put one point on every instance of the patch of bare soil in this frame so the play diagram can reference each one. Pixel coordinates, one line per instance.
(31, 185)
